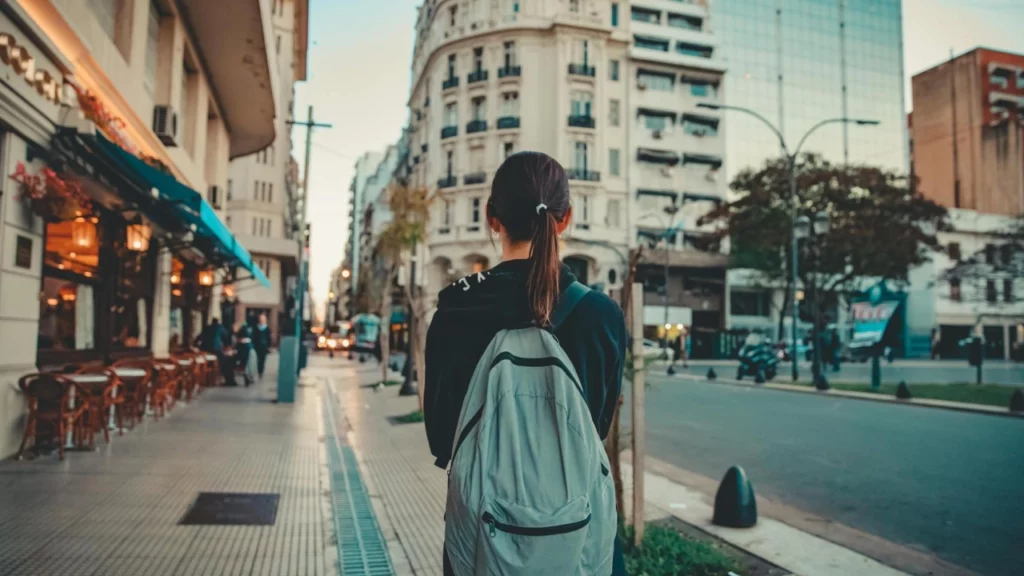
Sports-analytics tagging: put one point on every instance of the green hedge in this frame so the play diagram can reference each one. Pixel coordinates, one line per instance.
(666, 552)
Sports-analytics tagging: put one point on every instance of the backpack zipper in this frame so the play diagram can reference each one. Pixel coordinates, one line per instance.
(462, 437)
(494, 525)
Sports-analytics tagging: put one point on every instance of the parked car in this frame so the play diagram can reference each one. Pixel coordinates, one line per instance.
(654, 350)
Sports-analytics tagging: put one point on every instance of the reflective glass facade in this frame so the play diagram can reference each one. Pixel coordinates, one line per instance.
(812, 45)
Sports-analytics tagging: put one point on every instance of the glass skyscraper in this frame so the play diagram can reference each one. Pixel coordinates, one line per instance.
(789, 60)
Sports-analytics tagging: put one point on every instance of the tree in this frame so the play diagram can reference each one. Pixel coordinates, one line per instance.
(410, 212)
(879, 227)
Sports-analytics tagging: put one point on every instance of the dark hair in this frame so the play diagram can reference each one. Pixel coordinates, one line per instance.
(530, 196)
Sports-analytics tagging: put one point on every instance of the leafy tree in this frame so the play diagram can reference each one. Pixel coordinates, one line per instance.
(410, 210)
(879, 227)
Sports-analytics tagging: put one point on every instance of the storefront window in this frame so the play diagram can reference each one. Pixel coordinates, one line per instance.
(133, 300)
(67, 310)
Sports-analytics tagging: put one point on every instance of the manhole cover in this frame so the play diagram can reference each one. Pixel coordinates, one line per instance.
(226, 509)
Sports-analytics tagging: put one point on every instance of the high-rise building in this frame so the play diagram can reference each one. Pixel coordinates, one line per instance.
(967, 128)
(798, 62)
(262, 187)
(610, 90)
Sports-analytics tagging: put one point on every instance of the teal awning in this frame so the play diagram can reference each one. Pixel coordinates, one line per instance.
(193, 209)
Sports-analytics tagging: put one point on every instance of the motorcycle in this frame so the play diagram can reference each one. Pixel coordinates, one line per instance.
(758, 358)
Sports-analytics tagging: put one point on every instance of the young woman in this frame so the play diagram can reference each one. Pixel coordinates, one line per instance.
(528, 209)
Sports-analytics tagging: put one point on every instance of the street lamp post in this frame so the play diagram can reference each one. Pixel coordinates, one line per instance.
(791, 165)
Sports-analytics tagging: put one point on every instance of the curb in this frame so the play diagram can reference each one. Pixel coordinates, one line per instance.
(920, 403)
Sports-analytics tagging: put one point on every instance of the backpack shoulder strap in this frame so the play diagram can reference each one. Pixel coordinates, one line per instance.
(566, 303)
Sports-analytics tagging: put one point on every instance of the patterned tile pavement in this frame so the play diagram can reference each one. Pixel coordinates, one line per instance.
(115, 511)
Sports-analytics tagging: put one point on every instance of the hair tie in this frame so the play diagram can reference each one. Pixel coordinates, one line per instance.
(541, 208)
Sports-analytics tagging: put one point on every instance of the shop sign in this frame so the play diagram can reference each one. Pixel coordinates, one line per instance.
(870, 321)
(20, 59)
(23, 252)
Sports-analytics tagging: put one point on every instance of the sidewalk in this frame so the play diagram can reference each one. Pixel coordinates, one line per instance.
(116, 510)
(410, 491)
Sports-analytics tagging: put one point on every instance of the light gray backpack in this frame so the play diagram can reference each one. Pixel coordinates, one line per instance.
(529, 491)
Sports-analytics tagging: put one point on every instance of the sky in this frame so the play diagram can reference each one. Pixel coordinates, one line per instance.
(359, 71)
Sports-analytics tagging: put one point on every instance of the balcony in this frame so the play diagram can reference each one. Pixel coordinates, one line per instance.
(578, 121)
(450, 83)
(474, 178)
(476, 76)
(508, 122)
(583, 174)
(476, 126)
(510, 72)
(449, 132)
(448, 182)
(582, 70)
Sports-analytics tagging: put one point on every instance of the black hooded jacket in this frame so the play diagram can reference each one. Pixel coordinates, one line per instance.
(472, 310)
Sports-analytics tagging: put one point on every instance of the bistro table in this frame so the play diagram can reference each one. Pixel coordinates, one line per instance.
(91, 382)
(161, 367)
(127, 373)
(185, 361)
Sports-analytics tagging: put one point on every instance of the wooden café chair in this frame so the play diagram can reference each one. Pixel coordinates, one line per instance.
(105, 399)
(50, 402)
(136, 388)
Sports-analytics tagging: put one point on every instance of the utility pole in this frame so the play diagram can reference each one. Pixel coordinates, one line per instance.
(288, 368)
(639, 429)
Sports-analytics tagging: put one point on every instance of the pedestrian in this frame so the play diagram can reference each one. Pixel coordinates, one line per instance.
(683, 346)
(213, 339)
(261, 344)
(835, 347)
(499, 309)
(936, 343)
(244, 356)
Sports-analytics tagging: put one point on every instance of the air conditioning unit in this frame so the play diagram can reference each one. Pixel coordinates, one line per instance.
(165, 125)
(641, 86)
(656, 134)
(712, 175)
(699, 133)
(215, 197)
(666, 171)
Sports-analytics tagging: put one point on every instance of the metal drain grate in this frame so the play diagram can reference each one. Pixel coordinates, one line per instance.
(228, 509)
(361, 547)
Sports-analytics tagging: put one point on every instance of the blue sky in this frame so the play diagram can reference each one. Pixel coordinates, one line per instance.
(358, 80)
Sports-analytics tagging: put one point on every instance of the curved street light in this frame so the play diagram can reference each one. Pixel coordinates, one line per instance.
(797, 220)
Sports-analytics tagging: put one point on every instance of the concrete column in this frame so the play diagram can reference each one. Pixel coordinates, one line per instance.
(161, 332)
(170, 62)
(136, 22)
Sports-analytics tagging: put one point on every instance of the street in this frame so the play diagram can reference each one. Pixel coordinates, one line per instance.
(942, 481)
(913, 371)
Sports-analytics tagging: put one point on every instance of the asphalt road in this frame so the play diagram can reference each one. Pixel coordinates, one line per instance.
(913, 371)
(951, 483)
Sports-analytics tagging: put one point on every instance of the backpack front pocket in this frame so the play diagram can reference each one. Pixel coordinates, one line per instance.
(523, 540)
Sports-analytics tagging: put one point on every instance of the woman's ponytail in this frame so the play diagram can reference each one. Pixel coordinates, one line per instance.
(545, 268)
(530, 197)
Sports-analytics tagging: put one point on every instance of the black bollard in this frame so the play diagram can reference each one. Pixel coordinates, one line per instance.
(1017, 400)
(671, 371)
(821, 383)
(711, 374)
(735, 503)
(903, 391)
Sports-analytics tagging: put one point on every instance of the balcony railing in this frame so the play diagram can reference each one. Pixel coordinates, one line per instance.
(508, 122)
(476, 76)
(474, 178)
(578, 121)
(476, 126)
(449, 132)
(510, 71)
(450, 83)
(582, 70)
(583, 174)
(448, 182)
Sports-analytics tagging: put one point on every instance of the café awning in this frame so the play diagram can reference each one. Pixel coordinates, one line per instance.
(190, 206)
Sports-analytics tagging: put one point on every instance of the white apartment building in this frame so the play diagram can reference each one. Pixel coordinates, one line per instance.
(262, 186)
(366, 166)
(610, 89)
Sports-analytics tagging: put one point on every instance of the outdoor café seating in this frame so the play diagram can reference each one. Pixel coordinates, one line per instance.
(105, 395)
(135, 374)
(56, 408)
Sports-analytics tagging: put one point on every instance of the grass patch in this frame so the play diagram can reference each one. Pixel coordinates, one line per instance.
(391, 382)
(986, 394)
(410, 418)
(666, 552)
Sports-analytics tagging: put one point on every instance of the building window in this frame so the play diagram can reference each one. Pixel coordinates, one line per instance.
(508, 149)
(697, 50)
(270, 227)
(582, 210)
(645, 15)
(613, 70)
(256, 190)
(655, 122)
(615, 14)
(581, 103)
(67, 309)
(701, 89)
(451, 64)
(474, 214)
(700, 127)
(574, 5)
(581, 51)
(651, 43)
(254, 223)
(510, 104)
(990, 253)
(277, 43)
(656, 81)
(479, 108)
(613, 112)
(1005, 254)
(229, 188)
(452, 15)
(451, 114)
(953, 249)
(227, 220)
(110, 14)
(580, 157)
(745, 303)
(478, 59)
(446, 214)
(998, 80)
(614, 219)
(450, 162)
(510, 54)
(686, 22)
(1008, 290)
(270, 192)
(990, 292)
(954, 289)
(614, 161)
